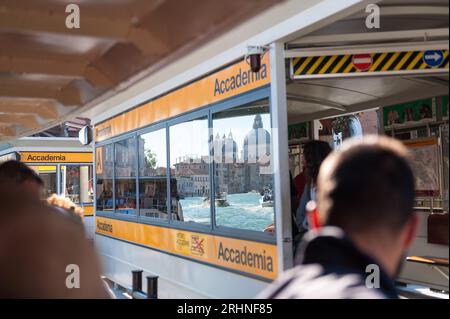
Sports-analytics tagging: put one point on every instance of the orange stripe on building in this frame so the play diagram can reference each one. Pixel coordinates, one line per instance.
(229, 82)
(245, 256)
(88, 210)
(421, 143)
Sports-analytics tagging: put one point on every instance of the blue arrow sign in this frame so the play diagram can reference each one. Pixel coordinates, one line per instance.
(433, 58)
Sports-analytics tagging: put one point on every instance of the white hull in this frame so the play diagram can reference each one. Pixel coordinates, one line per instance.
(179, 278)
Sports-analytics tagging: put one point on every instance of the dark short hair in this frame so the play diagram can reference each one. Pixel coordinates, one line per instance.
(368, 184)
(18, 173)
(315, 153)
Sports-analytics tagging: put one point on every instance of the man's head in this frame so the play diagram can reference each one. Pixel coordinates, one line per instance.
(367, 189)
(39, 248)
(17, 173)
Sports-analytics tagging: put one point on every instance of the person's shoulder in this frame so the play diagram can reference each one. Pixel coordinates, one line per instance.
(311, 282)
(289, 279)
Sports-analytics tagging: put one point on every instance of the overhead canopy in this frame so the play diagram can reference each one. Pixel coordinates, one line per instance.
(48, 71)
(414, 26)
(400, 21)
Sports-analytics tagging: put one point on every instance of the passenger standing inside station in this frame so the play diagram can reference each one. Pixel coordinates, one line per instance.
(303, 188)
(365, 203)
(314, 153)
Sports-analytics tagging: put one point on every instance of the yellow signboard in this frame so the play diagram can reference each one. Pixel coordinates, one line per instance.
(257, 259)
(44, 169)
(88, 210)
(229, 82)
(56, 157)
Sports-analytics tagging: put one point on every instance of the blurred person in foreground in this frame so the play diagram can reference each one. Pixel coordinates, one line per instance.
(19, 174)
(37, 245)
(66, 206)
(365, 205)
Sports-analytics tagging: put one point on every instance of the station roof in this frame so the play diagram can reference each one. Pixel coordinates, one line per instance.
(48, 71)
(404, 25)
(400, 21)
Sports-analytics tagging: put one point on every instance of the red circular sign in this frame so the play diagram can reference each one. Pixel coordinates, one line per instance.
(362, 62)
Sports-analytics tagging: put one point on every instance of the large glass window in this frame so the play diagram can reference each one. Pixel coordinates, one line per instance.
(243, 177)
(153, 175)
(48, 176)
(104, 173)
(189, 158)
(125, 176)
(76, 183)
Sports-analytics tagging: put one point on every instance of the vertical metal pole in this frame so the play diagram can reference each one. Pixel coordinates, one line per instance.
(380, 122)
(280, 157)
(212, 190)
(113, 151)
(315, 129)
(169, 178)
(152, 287)
(136, 284)
(58, 179)
(138, 172)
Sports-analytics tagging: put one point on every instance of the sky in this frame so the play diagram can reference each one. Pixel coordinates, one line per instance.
(191, 138)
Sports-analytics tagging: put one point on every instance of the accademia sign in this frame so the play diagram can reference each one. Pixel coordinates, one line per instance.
(56, 157)
(242, 78)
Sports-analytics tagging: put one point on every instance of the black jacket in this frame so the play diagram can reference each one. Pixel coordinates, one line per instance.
(330, 267)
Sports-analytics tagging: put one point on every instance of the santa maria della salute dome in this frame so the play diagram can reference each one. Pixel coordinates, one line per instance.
(255, 147)
(225, 148)
(240, 167)
(257, 142)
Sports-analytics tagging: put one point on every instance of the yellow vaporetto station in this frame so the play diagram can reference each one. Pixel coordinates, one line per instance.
(192, 165)
(65, 166)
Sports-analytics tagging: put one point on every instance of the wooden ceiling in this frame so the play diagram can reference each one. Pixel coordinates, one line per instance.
(48, 71)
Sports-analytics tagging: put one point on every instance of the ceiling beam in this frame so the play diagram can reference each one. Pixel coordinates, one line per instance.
(16, 90)
(429, 34)
(407, 10)
(131, 61)
(68, 93)
(7, 131)
(46, 112)
(13, 64)
(315, 100)
(58, 67)
(25, 121)
(126, 30)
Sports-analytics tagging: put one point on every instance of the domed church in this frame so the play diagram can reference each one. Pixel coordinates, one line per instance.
(257, 142)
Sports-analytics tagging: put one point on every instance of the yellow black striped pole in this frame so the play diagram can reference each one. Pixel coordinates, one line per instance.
(381, 62)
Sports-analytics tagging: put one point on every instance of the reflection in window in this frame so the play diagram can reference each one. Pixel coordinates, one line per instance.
(76, 183)
(243, 175)
(48, 176)
(125, 182)
(103, 171)
(125, 196)
(153, 198)
(125, 158)
(152, 154)
(189, 158)
(152, 175)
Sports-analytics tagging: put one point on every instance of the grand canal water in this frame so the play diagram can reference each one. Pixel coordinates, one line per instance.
(244, 212)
